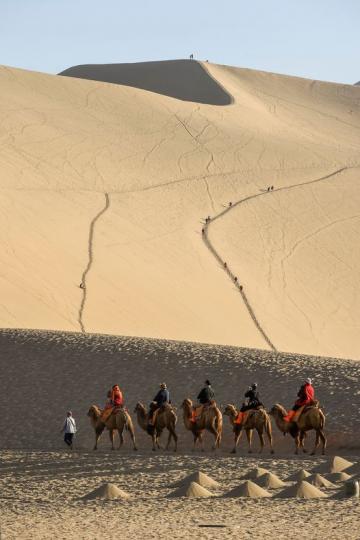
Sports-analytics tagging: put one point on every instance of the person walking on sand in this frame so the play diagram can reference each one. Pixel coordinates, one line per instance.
(69, 429)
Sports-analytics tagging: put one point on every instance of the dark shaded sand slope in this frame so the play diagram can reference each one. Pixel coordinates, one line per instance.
(45, 373)
(181, 79)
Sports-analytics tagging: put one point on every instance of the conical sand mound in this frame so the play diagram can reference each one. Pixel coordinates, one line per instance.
(302, 490)
(354, 469)
(192, 490)
(200, 478)
(339, 464)
(298, 476)
(320, 481)
(338, 477)
(255, 473)
(248, 489)
(106, 491)
(270, 481)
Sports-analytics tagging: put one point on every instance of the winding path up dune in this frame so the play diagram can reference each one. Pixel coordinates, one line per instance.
(163, 165)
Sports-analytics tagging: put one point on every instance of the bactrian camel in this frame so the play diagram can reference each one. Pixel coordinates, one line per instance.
(210, 420)
(118, 421)
(311, 418)
(257, 419)
(165, 419)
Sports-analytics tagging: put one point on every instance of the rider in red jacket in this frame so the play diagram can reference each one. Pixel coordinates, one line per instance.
(306, 395)
(116, 396)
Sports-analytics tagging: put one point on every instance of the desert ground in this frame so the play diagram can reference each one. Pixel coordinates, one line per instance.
(42, 484)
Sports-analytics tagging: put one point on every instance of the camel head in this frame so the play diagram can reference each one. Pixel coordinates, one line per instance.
(186, 404)
(140, 408)
(94, 412)
(278, 410)
(230, 410)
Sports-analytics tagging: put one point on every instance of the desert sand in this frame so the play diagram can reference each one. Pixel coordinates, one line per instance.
(109, 184)
(42, 485)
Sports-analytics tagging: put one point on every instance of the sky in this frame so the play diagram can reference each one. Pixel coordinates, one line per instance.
(317, 39)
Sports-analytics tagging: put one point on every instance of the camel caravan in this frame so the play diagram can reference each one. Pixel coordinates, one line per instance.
(205, 416)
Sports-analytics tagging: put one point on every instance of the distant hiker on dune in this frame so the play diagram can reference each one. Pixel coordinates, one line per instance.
(69, 429)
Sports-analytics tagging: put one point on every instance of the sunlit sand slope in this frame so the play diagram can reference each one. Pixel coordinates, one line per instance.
(109, 184)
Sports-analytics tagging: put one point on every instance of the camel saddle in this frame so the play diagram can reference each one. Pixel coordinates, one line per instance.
(198, 410)
(304, 408)
(106, 413)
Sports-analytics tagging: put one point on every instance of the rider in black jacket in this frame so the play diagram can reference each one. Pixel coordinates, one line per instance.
(253, 398)
(207, 394)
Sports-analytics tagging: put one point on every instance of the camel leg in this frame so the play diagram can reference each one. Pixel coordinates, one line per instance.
(317, 442)
(214, 431)
(169, 440)
(154, 441)
(132, 435)
(261, 438)
(111, 435)
(201, 441)
(302, 441)
(172, 434)
(323, 441)
(249, 434)
(269, 435)
(97, 437)
(297, 443)
(236, 441)
(121, 439)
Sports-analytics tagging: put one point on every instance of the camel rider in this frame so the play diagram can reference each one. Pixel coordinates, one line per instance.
(253, 398)
(205, 397)
(115, 399)
(305, 395)
(253, 402)
(116, 396)
(207, 394)
(162, 398)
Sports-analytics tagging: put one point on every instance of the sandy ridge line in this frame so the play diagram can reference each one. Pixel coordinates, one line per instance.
(224, 265)
(90, 260)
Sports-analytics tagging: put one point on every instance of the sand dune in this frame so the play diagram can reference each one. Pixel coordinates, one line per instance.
(111, 183)
(181, 79)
